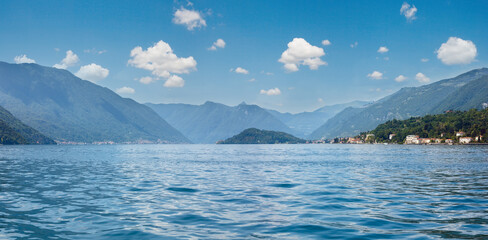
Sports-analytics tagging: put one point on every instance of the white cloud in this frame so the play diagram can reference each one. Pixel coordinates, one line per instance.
(162, 62)
(23, 59)
(383, 49)
(68, 61)
(241, 70)
(400, 78)
(457, 51)
(252, 80)
(95, 51)
(424, 60)
(147, 80)
(92, 72)
(125, 90)
(300, 52)
(326, 42)
(174, 81)
(271, 92)
(220, 43)
(191, 18)
(422, 78)
(353, 45)
(375, 75)
(408, 11)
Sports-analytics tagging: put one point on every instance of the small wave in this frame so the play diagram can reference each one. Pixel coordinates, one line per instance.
(182, 189)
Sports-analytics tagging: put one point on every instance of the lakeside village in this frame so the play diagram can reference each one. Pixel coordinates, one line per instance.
(461, 138)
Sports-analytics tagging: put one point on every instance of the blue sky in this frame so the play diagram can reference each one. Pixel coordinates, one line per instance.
(102, 35)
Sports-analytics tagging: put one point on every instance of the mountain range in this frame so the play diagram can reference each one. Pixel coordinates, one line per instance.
(211, 122)
(303, 124)
(466, 91)
(67, 108)
(41, 104)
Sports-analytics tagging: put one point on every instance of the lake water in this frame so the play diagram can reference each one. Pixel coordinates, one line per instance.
(244, 192)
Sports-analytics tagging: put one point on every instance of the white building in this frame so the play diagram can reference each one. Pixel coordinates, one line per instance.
(460, 134)
(412, 139)
(465, 140)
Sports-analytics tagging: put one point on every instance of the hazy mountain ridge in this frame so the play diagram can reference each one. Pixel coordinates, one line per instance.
(305, 123)
(406, 103)
(211, 122)
(67, 108)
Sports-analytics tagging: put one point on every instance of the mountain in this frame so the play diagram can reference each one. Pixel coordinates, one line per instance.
(66, 108)
(13, 131)
(305, 123)
(256, 136)
(210, 122)
(471, 95)
(409, 102)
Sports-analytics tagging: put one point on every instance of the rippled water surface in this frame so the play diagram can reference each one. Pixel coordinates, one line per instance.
(244, 192)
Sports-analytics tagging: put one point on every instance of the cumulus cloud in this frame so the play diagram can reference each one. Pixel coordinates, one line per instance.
(241, 70)
(326, 42)
(408, 11)
(457, 51)
(190, 18)
(376, 75)
(422, 78)
(68, 61)
(400, 78)
(147, 80)
(353, 45)
(174, 81)
(161, 61)
(23, 59)
(92, 72)
(383, 50)
(220, 43)
(271, 92)
(300, 52)
(424, 60)
(125, 90)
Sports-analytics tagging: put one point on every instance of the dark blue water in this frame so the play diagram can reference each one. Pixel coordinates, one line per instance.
(244, 192)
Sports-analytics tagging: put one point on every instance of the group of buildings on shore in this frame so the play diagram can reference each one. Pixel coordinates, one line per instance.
(461, 138)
